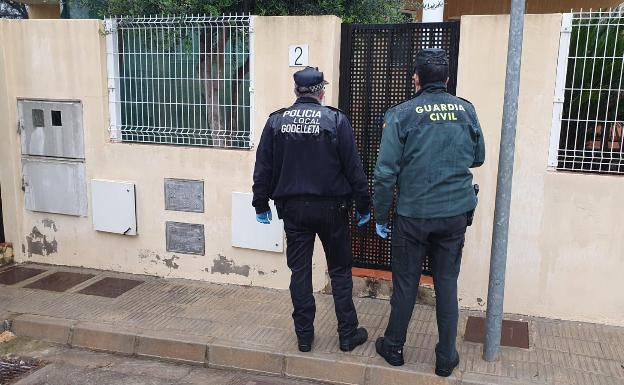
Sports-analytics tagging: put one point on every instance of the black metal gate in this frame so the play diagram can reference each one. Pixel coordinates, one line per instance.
(376, 62)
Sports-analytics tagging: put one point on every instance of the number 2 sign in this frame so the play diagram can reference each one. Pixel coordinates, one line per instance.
(298, 55)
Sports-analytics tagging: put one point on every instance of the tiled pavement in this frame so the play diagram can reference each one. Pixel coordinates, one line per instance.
(250, 328)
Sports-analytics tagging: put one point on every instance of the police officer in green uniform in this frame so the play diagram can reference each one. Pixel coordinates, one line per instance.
(428, 146)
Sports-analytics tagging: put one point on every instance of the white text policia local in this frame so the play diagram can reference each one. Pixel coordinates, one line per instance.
(304, 122)
(440, 111)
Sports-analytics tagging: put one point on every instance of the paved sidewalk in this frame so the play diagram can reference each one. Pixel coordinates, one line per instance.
(71, 366)
(228, 326)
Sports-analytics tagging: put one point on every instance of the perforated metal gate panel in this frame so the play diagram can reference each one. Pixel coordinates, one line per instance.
(375, 74)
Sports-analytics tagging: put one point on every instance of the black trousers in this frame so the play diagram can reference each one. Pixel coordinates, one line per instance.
(412, 240)
(303, 220)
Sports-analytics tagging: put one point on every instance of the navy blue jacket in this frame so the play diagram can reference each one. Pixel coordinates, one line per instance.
(308, 150)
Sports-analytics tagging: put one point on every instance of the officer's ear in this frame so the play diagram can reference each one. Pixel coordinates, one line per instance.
(416, 81)
(322, 95)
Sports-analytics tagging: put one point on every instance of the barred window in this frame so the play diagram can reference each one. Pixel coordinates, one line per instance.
(182, 80)
(588, 120)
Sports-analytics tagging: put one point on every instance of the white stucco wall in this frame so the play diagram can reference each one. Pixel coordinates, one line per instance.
(566, 241)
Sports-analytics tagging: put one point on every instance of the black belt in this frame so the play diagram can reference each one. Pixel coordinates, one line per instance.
(314, 198)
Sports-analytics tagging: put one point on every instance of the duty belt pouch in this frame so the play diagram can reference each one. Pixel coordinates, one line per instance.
(471, 213)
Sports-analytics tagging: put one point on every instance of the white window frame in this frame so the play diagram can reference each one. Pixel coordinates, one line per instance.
(559, 94)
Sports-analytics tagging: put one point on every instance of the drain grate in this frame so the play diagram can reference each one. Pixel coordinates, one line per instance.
(110, 287)
(16, 274)
(60, 281)
(12, 369)
(513, 333)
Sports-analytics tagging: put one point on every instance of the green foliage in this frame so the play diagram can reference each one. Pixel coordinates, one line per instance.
(351, 11)
(596, 66)
(12, 9)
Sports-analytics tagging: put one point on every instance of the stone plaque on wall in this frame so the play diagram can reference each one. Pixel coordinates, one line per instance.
(184, 195)
(186, 238)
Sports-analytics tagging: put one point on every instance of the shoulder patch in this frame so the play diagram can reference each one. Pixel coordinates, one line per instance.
(278, 111)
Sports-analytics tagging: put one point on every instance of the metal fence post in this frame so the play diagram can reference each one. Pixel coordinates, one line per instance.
(498, 258)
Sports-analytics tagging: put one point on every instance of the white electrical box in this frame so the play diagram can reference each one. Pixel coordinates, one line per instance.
(114, 207)
(248, 233)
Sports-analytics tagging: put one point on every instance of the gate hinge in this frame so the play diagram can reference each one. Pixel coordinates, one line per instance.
(19, 127)
(559, 99)
(24, 184)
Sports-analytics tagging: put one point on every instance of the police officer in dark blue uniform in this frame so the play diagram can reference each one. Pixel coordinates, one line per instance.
(428, 147)
(307, 162)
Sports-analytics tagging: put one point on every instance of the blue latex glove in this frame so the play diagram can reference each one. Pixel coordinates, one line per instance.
(362, 219)
(265, 217)
(382, 230)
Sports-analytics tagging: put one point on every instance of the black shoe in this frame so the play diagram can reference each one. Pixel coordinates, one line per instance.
(445, 372)
(393, 356)
(305, 345)
(357, 339)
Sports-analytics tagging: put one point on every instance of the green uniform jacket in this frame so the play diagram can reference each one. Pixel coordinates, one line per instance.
(428, 146)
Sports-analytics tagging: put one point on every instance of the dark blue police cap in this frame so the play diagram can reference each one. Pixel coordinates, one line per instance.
(436, 56)
(309, 79)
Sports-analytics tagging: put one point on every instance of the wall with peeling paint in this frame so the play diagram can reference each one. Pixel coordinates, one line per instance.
(65, 59)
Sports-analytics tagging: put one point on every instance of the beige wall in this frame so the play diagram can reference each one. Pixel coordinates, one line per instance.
(9, 185)
(566, 240)
(66, 60)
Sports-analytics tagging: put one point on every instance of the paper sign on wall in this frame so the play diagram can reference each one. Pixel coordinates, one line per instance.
(298, 55)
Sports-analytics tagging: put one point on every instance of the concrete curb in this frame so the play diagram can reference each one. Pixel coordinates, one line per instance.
(209, 352)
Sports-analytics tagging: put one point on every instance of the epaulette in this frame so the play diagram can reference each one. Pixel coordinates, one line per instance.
(340, 112)
(278, 111)
(404, 101)
(465, 100)
(335, 109)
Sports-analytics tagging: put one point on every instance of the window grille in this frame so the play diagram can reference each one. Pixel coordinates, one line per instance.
(588, 118)
(182, 80)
